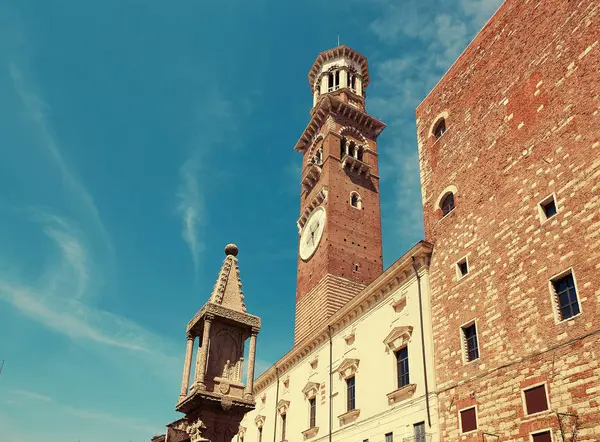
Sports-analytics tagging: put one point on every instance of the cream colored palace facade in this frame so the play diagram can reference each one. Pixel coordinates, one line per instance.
(367, 334)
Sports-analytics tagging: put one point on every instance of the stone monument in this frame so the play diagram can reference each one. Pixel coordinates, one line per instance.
(217, 400)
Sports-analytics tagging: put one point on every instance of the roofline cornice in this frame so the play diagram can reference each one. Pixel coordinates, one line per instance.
(337, 52)
(395, 275)
(332, 105)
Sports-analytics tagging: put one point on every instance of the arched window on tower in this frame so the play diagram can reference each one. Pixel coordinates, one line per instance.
(439, 129)
(355, 200)
(352, 82)
(330, 79)
(360, 153)
(336, 80)
(447, 204)
(342, 147)
(318, 158)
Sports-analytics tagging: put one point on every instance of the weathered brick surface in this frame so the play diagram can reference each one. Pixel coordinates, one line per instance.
(351, 236)
(523, 117)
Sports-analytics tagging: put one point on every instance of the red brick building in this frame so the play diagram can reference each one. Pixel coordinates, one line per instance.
(509, 147)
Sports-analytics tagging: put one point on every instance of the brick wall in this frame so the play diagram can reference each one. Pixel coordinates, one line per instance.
(522, 108)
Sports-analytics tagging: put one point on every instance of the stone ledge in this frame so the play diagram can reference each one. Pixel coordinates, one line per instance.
(401, 393)
(349, 416)
(311, 432)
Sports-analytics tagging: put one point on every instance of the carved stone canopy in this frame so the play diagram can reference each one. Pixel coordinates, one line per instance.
(259, 420)
(310, 390)
(398, 338)
(282, 406)
(348, 368)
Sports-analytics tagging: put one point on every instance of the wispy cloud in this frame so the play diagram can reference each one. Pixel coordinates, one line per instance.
(191, 207)
(56, 300)
(429, 36)
(86, 414)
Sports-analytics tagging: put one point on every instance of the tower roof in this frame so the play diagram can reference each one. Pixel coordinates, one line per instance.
(337, 52)
(228, 288)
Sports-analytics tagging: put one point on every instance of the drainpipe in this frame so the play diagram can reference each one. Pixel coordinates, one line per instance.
(330, 383)
(414, 266)
(276, 401)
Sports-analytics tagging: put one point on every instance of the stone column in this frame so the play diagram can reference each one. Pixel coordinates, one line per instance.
(347, 147)
(315, 96)
(201, 368)
(358, 85)
(343, 78)
(185, 381)
(324, 84)
(251, 357)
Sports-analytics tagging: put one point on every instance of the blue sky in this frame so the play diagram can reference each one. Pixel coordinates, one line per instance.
(137, 138)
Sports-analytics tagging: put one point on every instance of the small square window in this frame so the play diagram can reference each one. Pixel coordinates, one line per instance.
(565, 296)
(535, 399)
(544, 436)
(468, 420)
(462, 268)
(471, 342)
(548, 208)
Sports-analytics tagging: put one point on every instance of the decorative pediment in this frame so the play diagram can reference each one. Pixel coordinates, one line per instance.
(242, 431)
(282, 406)
(259, 420)
(398, 338)
(310, 390)
(348, 368)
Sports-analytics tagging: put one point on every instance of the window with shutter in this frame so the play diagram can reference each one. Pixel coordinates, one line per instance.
(468, 420)
(536, 400)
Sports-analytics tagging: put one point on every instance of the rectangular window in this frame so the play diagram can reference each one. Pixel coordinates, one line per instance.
(566, 296)
(402, 365)
(544, 436)
(462, 268)
(468, 420)
(548, 208)
(260, 434)
(471, 343)
(313, 412)
(389, 437)
(336, 80)
(419, 430)
(350, 389)
(535, 399)
(283, 425)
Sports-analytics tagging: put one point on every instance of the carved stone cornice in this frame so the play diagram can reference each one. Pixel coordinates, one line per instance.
(378, 291)
(311, 432)
(339, 52)
(348, 368)
(401, 393)
(398, 338)
(310, 390)
(349, 416)
(259, 420)
(282, 406)
(212, 310)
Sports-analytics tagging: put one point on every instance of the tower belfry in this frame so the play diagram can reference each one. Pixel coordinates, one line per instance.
(340, 220)
(218, 399)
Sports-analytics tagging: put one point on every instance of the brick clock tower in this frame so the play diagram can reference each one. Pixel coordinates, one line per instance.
(340, 220)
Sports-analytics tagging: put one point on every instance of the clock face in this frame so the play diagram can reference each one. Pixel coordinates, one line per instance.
(312, 233)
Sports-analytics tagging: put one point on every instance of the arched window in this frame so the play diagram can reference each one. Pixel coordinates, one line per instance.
(330, 81)
(447, 204)
(360, 153)
(439, 129)
(342, 147)
(318, 158)
(352, 81)
(355, 200)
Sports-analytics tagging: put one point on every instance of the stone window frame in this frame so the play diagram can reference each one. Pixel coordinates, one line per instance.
(438, 203)
(545, 430)
(476, 419)
(463, 342)
(436, 121)
(402, 333)
(542, 213)
(524, 403)
(359, 205)
(259, 420)
(554, 297)
(459, 275)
